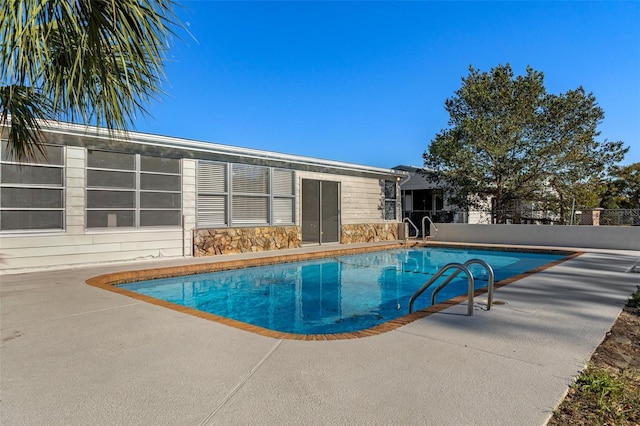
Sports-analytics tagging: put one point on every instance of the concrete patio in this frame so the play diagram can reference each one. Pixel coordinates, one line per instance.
(72, 354)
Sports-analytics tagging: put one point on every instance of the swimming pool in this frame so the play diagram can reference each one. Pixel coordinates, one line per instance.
(335, 295)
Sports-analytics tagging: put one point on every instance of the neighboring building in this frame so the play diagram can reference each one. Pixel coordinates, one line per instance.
(422, 197)
(99, 198)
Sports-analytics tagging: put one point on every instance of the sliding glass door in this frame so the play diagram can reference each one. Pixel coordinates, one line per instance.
(320, 211)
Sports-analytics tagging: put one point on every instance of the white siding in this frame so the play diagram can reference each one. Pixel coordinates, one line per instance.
(42, 251)
(362, 201)
(75, 194)
(188, 203)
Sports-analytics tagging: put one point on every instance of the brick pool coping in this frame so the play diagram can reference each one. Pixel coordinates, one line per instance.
(111, 281)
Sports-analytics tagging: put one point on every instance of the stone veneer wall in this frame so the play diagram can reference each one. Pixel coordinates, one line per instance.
(211, 242)
(369, 233)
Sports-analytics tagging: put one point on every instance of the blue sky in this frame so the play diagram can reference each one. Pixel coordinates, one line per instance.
(366, 82)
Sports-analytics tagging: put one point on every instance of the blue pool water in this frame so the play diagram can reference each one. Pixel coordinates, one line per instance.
(335, 295)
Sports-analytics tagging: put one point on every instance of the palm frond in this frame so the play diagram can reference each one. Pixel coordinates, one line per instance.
(96, 61)
(20, 108)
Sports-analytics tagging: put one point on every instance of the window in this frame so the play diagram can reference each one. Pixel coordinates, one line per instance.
(132, 190)
(160, 191)
(241, 194)
(32, 191)
(390, 200)
(250, 198)
(212, 194)
(283, 197)
(111, 189)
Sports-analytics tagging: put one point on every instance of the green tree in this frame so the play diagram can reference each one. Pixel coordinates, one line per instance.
(84, 61)
(623, 188)
(509, 140)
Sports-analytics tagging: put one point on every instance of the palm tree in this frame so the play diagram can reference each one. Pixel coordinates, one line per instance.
(84, 61)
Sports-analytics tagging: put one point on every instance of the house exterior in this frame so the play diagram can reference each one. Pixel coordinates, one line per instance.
(422, 197)
(99, 197)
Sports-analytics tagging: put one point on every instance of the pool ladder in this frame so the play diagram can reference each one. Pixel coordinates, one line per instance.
(424, 233)
(407, 220)
(471, 283)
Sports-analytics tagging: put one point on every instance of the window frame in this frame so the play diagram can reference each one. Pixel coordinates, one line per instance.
(275, 196)
(249, 197)
(61, 187)
(389, 200)
(232, 196)
(212, 194)
(137, 209)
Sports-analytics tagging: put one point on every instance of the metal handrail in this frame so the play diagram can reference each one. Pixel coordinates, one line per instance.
(460, 268)
(492, 278)
(406, 219)
(424, 234)
(468, 263)
(446, 267)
